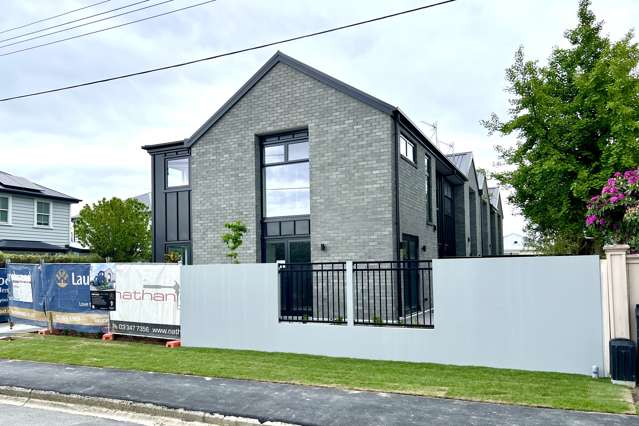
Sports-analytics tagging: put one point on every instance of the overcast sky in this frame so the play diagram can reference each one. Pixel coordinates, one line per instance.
(443, 65)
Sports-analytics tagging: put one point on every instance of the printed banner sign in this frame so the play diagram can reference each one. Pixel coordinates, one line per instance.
(4, 296)
(103, 286)
(26, 295)
(68, 298)
(148, 300)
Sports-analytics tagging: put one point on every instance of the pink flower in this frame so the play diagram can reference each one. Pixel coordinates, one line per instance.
(595, 198)
(602, 221)
(612, 182)
(591, 219)
(617, 174)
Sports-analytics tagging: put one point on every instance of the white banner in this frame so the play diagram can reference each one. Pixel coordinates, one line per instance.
(21, 285)
(147, 294)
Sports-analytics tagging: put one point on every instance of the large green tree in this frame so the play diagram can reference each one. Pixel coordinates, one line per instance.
(116, 229)
(576, 120)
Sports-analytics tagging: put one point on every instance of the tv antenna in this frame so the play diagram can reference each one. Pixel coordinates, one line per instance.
(435, 135)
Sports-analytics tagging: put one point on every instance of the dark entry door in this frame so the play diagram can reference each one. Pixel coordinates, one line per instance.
(410, 256)
(445, 217)
(296, 276)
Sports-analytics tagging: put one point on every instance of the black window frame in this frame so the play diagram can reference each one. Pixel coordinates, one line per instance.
(402, 139)
(284, 139)
(166, 172)
(429, 188)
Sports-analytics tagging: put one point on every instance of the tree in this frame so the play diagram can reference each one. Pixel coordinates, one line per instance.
(233, 238)
(117, 229)
(576, 120)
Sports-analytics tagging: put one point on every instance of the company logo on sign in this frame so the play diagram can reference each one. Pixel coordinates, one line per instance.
(62, 278)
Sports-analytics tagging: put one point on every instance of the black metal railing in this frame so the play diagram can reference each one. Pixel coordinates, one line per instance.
(313, 292)
(393, 293)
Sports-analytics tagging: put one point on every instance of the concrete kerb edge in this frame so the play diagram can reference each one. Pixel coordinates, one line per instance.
(132, 407)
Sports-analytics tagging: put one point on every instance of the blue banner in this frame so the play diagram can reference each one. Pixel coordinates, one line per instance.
(26, 296)
(68, 298)
(4, 296)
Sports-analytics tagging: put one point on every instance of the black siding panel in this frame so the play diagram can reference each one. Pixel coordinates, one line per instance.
(171, 216)
(184, 215)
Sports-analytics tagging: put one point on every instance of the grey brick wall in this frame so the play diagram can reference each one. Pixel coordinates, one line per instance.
(412, 203)
(350, 170)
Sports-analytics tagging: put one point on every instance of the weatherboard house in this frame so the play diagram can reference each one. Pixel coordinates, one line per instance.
(33, 218)
(318, 171)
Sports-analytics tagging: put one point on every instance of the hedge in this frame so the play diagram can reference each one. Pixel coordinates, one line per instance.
(48, 258)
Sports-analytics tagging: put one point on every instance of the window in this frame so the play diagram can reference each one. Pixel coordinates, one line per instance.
(407, 149)
(429, 195)
(42, 213)
(182, 250)
(177, 172)
(5, 210)
(286, 179)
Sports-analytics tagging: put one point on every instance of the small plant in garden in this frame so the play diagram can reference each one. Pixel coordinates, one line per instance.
(613, 215)
(338, 320)
(172, 257)
(233, 238)
(377, 320)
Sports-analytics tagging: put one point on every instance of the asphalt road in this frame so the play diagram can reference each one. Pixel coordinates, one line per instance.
(17, 415)
(305, 405)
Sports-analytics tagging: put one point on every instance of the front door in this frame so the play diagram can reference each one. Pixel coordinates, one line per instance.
(410, 256)
(296, 276)
(445, 217)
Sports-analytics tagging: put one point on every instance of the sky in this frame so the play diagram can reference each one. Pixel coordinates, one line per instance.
(443, 65)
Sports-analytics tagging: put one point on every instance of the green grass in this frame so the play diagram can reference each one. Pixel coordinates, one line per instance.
(555, 390)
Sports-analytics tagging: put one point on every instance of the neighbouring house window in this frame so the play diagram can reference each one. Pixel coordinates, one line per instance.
(43, 213)
(286, 179)
(177, 172)
(407, 149)
(5, 214)
(429, 197)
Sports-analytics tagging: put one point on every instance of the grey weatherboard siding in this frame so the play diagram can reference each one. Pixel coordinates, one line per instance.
(22, 221)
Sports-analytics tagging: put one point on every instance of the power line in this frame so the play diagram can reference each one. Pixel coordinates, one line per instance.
(53, 17)
(107, 28)
(234, 52)
(82, 25)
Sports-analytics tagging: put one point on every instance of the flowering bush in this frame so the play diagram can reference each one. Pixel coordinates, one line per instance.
(614, 214)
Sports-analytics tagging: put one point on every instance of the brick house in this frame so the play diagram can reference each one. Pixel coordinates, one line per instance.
(318, 171)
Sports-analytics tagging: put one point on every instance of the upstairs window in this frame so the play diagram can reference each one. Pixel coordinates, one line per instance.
(177, 172)
(286, 177)
(43, 213)
(5, 206)
(407, 149)
(429, 196)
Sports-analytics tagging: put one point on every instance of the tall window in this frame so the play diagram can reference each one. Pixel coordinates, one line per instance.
(177, 172)
(4, 210)
(429, 196)
(407, 149)
(286, 177)
(43, 213)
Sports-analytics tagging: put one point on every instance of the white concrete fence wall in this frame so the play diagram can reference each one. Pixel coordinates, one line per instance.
(531, 313)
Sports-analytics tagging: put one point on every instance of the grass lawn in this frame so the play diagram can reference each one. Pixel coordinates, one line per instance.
(473, 383)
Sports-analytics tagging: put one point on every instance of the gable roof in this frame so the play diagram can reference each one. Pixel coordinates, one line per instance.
(495, 197)
(462, 160)
(481, 180)
(20, 185)
(278, 58)
(330, 81)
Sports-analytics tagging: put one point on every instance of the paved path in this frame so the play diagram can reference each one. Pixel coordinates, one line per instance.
(11, 415)
(305, 405)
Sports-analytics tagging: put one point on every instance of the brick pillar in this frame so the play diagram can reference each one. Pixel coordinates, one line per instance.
(616, 289)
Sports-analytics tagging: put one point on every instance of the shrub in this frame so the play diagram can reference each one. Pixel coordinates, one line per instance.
(48, 258)
(613, 215)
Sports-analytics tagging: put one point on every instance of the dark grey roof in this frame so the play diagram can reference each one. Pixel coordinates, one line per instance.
(144, 199)
(20, 245)
(495, 199)
(280, 57)
(336, 84)
(20, 185)
(462, 160)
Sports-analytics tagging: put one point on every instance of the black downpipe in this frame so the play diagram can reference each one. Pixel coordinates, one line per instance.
(396, 160)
